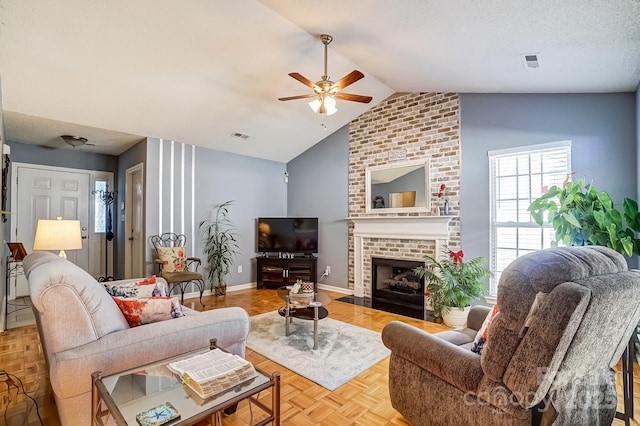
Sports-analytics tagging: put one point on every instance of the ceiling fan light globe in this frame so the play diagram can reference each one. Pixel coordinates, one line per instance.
(315, 104)
(331, 110)
(330, 102)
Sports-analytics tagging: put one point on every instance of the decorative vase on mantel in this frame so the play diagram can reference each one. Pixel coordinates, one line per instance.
(445, 211)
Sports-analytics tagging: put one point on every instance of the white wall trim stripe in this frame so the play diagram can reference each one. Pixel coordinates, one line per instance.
(159, 207)
(172, 187)
(193, 196)
(182, 186)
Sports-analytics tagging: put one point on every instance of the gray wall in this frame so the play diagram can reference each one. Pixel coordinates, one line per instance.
(62, 157)
(318, 187)
(256, 185)
(602, 128)
(134, 155)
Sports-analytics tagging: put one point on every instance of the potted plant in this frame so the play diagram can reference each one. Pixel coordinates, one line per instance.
(451, 285)
(581, 215)
(221, 247)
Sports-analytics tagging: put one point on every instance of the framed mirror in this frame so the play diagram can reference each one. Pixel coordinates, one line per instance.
(401, 187)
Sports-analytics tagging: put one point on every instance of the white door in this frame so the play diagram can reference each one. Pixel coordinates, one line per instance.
(47, 194)
(134, 245)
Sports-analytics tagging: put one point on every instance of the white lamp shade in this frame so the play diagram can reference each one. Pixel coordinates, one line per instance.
(330, 105)
(315, 104)
(58, 235)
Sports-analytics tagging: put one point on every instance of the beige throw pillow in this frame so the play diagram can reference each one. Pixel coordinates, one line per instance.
(173, 259)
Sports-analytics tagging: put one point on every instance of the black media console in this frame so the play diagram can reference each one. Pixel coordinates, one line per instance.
(275, 272)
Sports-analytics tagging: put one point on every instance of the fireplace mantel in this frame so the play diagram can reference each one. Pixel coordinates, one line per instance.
(432, 228)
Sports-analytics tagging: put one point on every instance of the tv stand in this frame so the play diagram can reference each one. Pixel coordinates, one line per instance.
(275, 272)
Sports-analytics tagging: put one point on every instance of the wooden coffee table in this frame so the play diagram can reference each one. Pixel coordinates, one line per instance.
(315, 310)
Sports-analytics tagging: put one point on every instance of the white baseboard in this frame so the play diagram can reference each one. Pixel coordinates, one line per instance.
(342, 290)
(230, 289)
(3, 316)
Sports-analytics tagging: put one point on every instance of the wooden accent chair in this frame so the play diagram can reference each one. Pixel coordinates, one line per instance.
(174, 265)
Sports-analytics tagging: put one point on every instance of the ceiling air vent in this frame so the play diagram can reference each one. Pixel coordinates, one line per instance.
(530, 60)
(239, 135)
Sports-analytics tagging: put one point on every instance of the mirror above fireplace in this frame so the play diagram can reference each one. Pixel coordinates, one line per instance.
(401, 187)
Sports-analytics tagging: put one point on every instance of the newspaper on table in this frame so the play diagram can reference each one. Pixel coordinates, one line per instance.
(213, 372)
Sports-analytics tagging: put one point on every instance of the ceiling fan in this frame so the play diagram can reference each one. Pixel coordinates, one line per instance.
(76, 141)
(326, 91)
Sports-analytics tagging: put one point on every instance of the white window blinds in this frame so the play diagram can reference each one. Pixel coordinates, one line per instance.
(517, 177)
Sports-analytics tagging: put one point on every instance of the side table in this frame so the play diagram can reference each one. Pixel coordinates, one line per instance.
(314, 310)
(126, 394)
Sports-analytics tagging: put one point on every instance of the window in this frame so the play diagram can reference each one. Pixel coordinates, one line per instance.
(99, 210)
(517, 177)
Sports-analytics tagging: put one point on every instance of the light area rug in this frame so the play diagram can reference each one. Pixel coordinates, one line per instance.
(344, 350)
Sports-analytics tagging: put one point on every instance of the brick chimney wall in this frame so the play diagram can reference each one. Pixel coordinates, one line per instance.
(426, 125)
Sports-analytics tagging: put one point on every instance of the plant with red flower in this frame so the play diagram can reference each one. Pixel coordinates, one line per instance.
(451, 283)
(444, 192)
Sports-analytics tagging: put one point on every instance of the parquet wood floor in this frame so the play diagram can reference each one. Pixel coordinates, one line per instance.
(362, 401)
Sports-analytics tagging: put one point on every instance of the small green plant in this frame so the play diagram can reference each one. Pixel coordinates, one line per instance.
(221, 247)
(581, 215)
(452, 283)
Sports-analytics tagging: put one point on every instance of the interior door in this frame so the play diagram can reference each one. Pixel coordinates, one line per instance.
(47, 194)
(134, 246)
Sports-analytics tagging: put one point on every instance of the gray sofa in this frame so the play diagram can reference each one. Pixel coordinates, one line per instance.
(82, 330)
(555, 370)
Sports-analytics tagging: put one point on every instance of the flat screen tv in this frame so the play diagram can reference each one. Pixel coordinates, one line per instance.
(288, 234)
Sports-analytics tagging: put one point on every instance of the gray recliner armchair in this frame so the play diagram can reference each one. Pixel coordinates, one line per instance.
(556, 369)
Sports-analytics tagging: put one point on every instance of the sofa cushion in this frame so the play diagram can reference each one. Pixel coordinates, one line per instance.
(173, 258)
(145, 310)
(147, 287)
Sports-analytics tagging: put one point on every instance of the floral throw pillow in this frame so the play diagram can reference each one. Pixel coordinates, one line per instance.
(173, 259)
(139, 311)
(481, 338)
(148, 287)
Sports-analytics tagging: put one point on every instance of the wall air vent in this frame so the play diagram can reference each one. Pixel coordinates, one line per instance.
(239, 135)
(530, 60)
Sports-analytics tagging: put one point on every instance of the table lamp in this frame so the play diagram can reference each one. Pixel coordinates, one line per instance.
(58, 235)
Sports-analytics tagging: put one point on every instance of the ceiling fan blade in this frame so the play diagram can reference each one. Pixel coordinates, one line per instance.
(290, 98)
(304, 80)
(354, 98)
(348, 79)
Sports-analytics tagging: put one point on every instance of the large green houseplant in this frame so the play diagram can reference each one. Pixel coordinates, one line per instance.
(581, 215)
(451, 283)
(220, 247)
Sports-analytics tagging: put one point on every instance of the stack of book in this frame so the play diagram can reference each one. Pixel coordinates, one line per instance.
(213, 372)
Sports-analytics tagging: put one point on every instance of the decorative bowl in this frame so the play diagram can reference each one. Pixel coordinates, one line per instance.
(300, 299)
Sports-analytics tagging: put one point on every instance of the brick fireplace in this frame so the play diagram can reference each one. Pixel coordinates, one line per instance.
(394, 237)
(417, 126)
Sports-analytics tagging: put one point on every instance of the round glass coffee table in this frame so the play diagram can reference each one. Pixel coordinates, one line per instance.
(315, 309)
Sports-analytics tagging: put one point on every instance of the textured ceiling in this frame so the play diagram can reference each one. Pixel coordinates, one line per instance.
(198, 71)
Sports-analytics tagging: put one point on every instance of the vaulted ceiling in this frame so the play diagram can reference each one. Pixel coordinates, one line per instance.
(197, 71)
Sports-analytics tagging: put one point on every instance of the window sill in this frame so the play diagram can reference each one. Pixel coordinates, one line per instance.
(491, 299)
